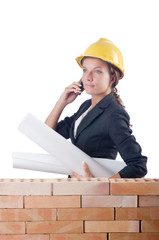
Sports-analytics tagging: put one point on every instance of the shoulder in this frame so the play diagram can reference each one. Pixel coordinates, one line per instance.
(119, 124)
(111, 108)
(118, 111)
(118, 115)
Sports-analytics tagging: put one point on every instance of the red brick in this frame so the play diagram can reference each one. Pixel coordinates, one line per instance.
(84, 236)
(150, 226)
(111, 226)
(148, 201)
(12, 227)
(86, 214)
(134, 186)
(137, 213)
(25, 188)
(55, 227)
(52, 201)
(133, 236)
(109, 201)
(98, 187)
(11, 202)
(25, 237)
(27, 214)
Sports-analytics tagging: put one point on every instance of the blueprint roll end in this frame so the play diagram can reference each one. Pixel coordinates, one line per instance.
(25, 119)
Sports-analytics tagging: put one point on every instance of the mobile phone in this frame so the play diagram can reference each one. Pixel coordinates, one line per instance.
(81, 87)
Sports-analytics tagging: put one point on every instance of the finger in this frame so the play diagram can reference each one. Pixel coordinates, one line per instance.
(86, 170)
(72, 91)
(74, 174)
(73, 88)
(85, 167)
(76, 84)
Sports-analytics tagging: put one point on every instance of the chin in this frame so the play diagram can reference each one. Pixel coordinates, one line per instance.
(89, 91)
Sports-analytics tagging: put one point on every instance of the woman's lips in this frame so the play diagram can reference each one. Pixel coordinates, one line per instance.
(89, 85)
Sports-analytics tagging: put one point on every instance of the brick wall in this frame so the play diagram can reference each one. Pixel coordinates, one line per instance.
(79, 209)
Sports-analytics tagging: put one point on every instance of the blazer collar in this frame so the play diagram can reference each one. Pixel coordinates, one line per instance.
(106, 101)
(95, 112)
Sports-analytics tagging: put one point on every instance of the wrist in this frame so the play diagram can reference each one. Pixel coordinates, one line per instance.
(117, 175)
(60, 104)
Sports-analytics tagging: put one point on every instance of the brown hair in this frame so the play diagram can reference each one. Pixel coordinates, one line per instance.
(114, 71)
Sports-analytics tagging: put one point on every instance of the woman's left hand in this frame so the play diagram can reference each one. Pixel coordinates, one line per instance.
(87, 172)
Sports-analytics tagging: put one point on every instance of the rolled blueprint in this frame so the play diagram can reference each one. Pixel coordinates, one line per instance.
(38, 162)
(47, 163)
(61, 149)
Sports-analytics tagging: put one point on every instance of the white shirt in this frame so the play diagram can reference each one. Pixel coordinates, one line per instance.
(77, 122)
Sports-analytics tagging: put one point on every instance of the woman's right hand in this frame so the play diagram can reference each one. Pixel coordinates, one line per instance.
(68, 96)
(70, 93)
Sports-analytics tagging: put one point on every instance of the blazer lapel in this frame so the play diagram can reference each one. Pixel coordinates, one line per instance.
(79, 113)
(88, 119)
(92, 115)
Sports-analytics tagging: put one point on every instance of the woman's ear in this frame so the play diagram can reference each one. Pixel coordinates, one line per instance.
(113, 78)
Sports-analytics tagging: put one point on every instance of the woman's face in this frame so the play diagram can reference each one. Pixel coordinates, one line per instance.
(96, 77)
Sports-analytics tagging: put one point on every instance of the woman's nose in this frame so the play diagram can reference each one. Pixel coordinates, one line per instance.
(89, 76)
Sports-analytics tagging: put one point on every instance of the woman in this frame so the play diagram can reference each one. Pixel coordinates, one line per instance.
(101, 125)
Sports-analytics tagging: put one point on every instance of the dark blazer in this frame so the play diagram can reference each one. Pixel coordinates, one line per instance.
(103, 132)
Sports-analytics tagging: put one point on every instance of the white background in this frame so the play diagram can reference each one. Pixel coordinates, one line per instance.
(39, 41)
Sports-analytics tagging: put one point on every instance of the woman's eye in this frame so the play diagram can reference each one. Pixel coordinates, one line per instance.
(98, 71)
(84, 70)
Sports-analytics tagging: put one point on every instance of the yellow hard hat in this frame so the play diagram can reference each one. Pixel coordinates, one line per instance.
(105, 50)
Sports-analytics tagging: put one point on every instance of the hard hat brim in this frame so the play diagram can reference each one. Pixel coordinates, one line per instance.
(79, 61)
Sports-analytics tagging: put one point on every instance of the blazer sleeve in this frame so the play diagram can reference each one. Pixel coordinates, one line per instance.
(63, 126)
(126, 145)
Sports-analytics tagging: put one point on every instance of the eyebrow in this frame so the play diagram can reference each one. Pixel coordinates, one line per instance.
(93, 68)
